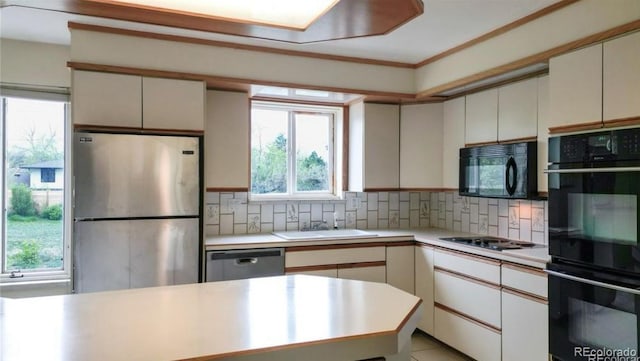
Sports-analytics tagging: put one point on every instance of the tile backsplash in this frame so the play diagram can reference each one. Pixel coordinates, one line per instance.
(232, 213)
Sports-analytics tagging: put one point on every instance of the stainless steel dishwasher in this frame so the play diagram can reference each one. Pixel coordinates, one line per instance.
(245, 263)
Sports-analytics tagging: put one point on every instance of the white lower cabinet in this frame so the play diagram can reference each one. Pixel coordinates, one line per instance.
(372, 274)
(424, 285)
(468, 336)
(400, 267)
(525, 327)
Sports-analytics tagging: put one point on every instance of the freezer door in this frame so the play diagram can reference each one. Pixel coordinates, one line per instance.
(111, 255)
(124, 175)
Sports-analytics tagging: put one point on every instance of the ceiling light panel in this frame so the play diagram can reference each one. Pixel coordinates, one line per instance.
(293, 14)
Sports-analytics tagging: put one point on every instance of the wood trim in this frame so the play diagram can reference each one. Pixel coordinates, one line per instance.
(381, 190)
(335, 246)
(321, 267)
(479, 144)
(227, 189)
(526, 295)
(623, 122)
(528, 269)
(518, 140)
(408, 316)
(345, 148)
(468, 278)
(424, 245)
(502, 83)
(544, 195)
(575, 127)
(111, 129)
(361, 265)
(532, 59)
(468, 318)
(212, 79)
(223, 44)
(469, 256)
(294, 101)
(499, 31)
(401, 244)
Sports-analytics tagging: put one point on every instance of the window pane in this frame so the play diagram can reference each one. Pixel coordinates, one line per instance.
(312, 152)
(269, 151)
(34, 185)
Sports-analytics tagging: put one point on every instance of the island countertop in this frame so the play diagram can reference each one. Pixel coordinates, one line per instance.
(283, 318)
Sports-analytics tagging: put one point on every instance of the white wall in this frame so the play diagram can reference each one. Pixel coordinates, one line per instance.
(570, 23)
(120, 50)
(34, 64)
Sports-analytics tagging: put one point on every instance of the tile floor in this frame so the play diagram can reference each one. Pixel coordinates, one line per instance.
(426, 348)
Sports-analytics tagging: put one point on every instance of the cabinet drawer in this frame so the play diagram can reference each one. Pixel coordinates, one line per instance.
(471, 338)
(454, 292)
(525, 279)
(372, 274)
(472, 266)
(334, 256)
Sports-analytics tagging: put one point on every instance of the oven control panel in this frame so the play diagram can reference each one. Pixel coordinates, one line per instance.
(623, 144)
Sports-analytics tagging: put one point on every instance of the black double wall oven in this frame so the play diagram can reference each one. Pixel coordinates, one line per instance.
(594, 275)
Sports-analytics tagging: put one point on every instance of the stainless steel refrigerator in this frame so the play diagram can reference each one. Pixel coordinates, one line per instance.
(137, 207)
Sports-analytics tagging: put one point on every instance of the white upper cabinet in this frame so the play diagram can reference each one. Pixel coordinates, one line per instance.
(453, 140)
(575, 87)
(131, 101)
(421, 142)
(226, 137)
(173, 104)
(518, 110)
(374, 149)
(621, 77)
(543, 131)
(106, 99)
(482, 117)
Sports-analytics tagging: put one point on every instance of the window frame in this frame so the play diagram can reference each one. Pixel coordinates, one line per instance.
(334, 161)
(20, 277)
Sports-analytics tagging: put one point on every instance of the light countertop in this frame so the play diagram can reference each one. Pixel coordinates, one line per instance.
(284, 318)
(534, 257)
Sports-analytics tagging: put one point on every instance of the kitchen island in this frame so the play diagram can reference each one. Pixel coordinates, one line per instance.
(281, 318)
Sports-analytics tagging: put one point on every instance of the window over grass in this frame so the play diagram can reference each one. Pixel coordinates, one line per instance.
(33, 230)
(293, 153)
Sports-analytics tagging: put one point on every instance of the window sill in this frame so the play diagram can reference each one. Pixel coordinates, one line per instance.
(11, 288)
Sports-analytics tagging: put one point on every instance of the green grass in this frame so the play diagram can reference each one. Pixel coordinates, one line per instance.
(47, 252)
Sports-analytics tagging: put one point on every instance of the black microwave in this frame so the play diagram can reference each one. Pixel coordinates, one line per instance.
(499, 171)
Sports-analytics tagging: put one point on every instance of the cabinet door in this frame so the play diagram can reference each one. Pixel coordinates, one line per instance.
(518, 110)
(525, 328)
(424, 286)
(575, 87)
(482, 117)
(421, 146)
(227, 140)
(472, 338)
(173, 104)
(621, 77)
(400, 267)
(381, 146)
(543, 131)
(452, 141)
(372, 274)
(106, 99)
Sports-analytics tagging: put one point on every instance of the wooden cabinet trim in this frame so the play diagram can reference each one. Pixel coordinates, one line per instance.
(227, 189)
(531, 270)
(624, 122)
(322, 267)
(576, 127)
(106, 128)
(408, 316)
(425, 245)
(337, 246)
(361, 265)
(477, 281)
(401, 244)
(526, 295)
(468, 318)
(473, 257)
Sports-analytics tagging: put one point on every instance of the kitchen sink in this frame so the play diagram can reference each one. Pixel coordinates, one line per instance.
(324, 234)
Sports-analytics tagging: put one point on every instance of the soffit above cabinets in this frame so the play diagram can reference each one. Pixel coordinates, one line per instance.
(347, 19)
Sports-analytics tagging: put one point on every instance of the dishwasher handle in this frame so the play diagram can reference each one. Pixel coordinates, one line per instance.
(246, 261)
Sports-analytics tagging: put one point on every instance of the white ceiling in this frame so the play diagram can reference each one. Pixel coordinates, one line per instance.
(444, 25)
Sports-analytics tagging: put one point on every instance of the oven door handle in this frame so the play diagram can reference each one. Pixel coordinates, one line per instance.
(593, 283)
(594, 170)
